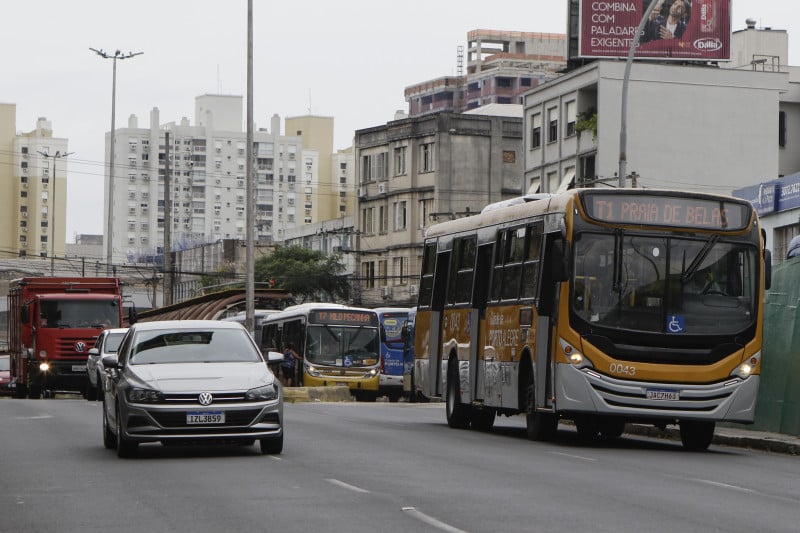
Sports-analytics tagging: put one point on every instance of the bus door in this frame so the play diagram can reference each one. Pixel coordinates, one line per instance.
(556, 259)
(437, 307)
(480, 295)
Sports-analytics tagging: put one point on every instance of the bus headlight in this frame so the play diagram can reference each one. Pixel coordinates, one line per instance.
(745, 370)
(312, 371)
(575, 357)
(44, 366)
(372, 373)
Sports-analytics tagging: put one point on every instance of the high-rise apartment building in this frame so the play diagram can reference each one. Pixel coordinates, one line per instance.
(206, 164)
(33, 192)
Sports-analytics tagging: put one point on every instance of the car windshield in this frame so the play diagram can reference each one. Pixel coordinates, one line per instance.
(5, 364)
(112, 342)
(193, 346)
(664, 284)
(342, 345)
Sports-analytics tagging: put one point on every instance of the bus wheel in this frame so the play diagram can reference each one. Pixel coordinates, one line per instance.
(21, 391)
(696, 435)
(482, 419)
(588, 427)
(457, 412)
(612, 428)
(540, 426)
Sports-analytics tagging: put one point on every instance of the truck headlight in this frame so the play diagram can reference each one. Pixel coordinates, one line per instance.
(44, 366)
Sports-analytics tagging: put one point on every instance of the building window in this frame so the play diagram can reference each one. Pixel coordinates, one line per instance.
(536, 131)
(587, 171)
(383, 273)
(782, 129)
(400, 270)
(571, 118)
(552, 125)
(509, 156)
(383, 222)
(400, 214)
(367, 222)
(425, 212)
(400, 161)
(368, 274)
(426, 157)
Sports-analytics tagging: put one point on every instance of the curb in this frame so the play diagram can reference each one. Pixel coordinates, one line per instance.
(727, 437)
(317, 394)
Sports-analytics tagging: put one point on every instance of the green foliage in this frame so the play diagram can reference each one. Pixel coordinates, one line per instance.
(587, 121)
(307, 274)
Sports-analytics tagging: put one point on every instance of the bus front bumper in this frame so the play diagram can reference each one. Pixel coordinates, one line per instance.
(586, 391)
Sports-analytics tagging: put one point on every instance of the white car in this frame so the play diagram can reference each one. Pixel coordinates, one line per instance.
(183, 382)
(106, 344)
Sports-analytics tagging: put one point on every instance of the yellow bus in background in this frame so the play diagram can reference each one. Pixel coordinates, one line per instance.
(340, 345)
(598, 306)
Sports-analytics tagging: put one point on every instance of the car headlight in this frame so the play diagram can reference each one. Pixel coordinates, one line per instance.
(261, 394)
(137, 395)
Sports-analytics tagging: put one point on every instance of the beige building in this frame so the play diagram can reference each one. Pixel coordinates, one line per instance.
(33, 192)
(417, 171)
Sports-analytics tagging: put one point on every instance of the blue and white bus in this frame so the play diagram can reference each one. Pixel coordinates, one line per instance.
(396, 348)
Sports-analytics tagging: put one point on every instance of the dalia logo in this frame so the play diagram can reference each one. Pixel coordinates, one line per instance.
(708, 44)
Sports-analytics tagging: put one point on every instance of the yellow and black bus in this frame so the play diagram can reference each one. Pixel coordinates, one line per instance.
(598, 306)
(340, 345)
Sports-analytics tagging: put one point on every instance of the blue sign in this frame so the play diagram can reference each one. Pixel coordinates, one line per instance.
(773, 196)
(676, 324)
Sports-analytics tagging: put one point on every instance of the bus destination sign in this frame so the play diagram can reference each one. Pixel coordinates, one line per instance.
(343, 317)
(651, 210)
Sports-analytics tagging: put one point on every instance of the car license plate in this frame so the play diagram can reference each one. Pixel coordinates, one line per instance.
(662, 394)
(79, 368)
(205, 417)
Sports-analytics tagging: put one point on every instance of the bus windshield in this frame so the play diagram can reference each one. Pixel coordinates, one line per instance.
(344, 346)
(671, 285)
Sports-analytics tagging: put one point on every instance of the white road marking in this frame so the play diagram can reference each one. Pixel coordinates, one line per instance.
(574, 456)
(723, 485)
(35, 417)
(431, 521)
(346, 486)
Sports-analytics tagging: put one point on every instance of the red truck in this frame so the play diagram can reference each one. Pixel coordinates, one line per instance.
(53, 322)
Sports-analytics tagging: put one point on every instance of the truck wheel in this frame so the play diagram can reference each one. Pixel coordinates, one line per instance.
(34, 392)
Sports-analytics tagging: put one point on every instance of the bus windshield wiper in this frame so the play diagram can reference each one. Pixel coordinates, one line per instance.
(699, 258)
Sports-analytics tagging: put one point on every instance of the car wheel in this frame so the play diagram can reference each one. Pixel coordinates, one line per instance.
(91, 392)
(125, 448)
(109, 439)
(272, 445)
(99, 387)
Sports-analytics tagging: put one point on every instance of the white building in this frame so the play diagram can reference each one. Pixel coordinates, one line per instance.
(207, 164)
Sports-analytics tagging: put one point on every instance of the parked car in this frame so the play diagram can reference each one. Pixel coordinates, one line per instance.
(187, 382)
(107, 343)
(5, 376)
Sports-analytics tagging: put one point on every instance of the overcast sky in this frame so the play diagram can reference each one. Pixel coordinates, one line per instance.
(349, 59)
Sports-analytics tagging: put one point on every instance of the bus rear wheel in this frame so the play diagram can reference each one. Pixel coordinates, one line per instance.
(696, 435)
(457, 412)
(482, 419)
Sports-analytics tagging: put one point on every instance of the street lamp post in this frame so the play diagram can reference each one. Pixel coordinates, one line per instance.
(55, 157)
(110, 222)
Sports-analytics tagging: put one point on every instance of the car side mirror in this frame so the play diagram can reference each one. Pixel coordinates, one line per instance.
(274, 357)
(94, 351)
(111, 361)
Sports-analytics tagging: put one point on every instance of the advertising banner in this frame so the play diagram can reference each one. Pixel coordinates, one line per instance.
(773, 196)
(683, 30)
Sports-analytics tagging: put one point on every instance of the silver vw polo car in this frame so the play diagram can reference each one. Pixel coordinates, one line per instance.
(190, 381)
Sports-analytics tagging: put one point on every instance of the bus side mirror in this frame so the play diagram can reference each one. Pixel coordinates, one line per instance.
(383, 334)
(133, 316)
(25, 314)
(767, 269)
(560, 260)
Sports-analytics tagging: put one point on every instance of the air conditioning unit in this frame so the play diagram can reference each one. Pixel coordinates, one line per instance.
(413, 290)
(24, 213)
(362, 192)
(381, 188)
(386, 292)
(24, 229)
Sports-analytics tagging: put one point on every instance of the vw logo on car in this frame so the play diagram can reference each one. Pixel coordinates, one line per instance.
(205, 398)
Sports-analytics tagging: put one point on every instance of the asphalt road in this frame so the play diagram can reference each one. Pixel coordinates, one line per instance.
(354, 467)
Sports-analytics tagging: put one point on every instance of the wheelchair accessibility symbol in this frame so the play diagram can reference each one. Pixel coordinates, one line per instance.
(675, 324)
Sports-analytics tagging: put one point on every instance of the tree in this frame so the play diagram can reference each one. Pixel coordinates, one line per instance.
(307, 274)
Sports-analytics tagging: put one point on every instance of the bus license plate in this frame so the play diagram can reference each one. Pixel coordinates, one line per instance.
(205, 417)
(662, 394)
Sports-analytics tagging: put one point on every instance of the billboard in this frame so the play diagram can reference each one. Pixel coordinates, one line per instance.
(773, 196)
(683, 30)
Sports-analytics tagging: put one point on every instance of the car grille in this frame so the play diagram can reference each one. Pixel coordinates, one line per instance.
(177, 419)
(191, 397)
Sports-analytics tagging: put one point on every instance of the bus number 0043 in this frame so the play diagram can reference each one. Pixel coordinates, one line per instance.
(622, 369)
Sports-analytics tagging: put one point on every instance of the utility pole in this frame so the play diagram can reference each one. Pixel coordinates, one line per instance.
(251, 183)
(623, 123)
(110, 222)
(55, 157)
(167, 222)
